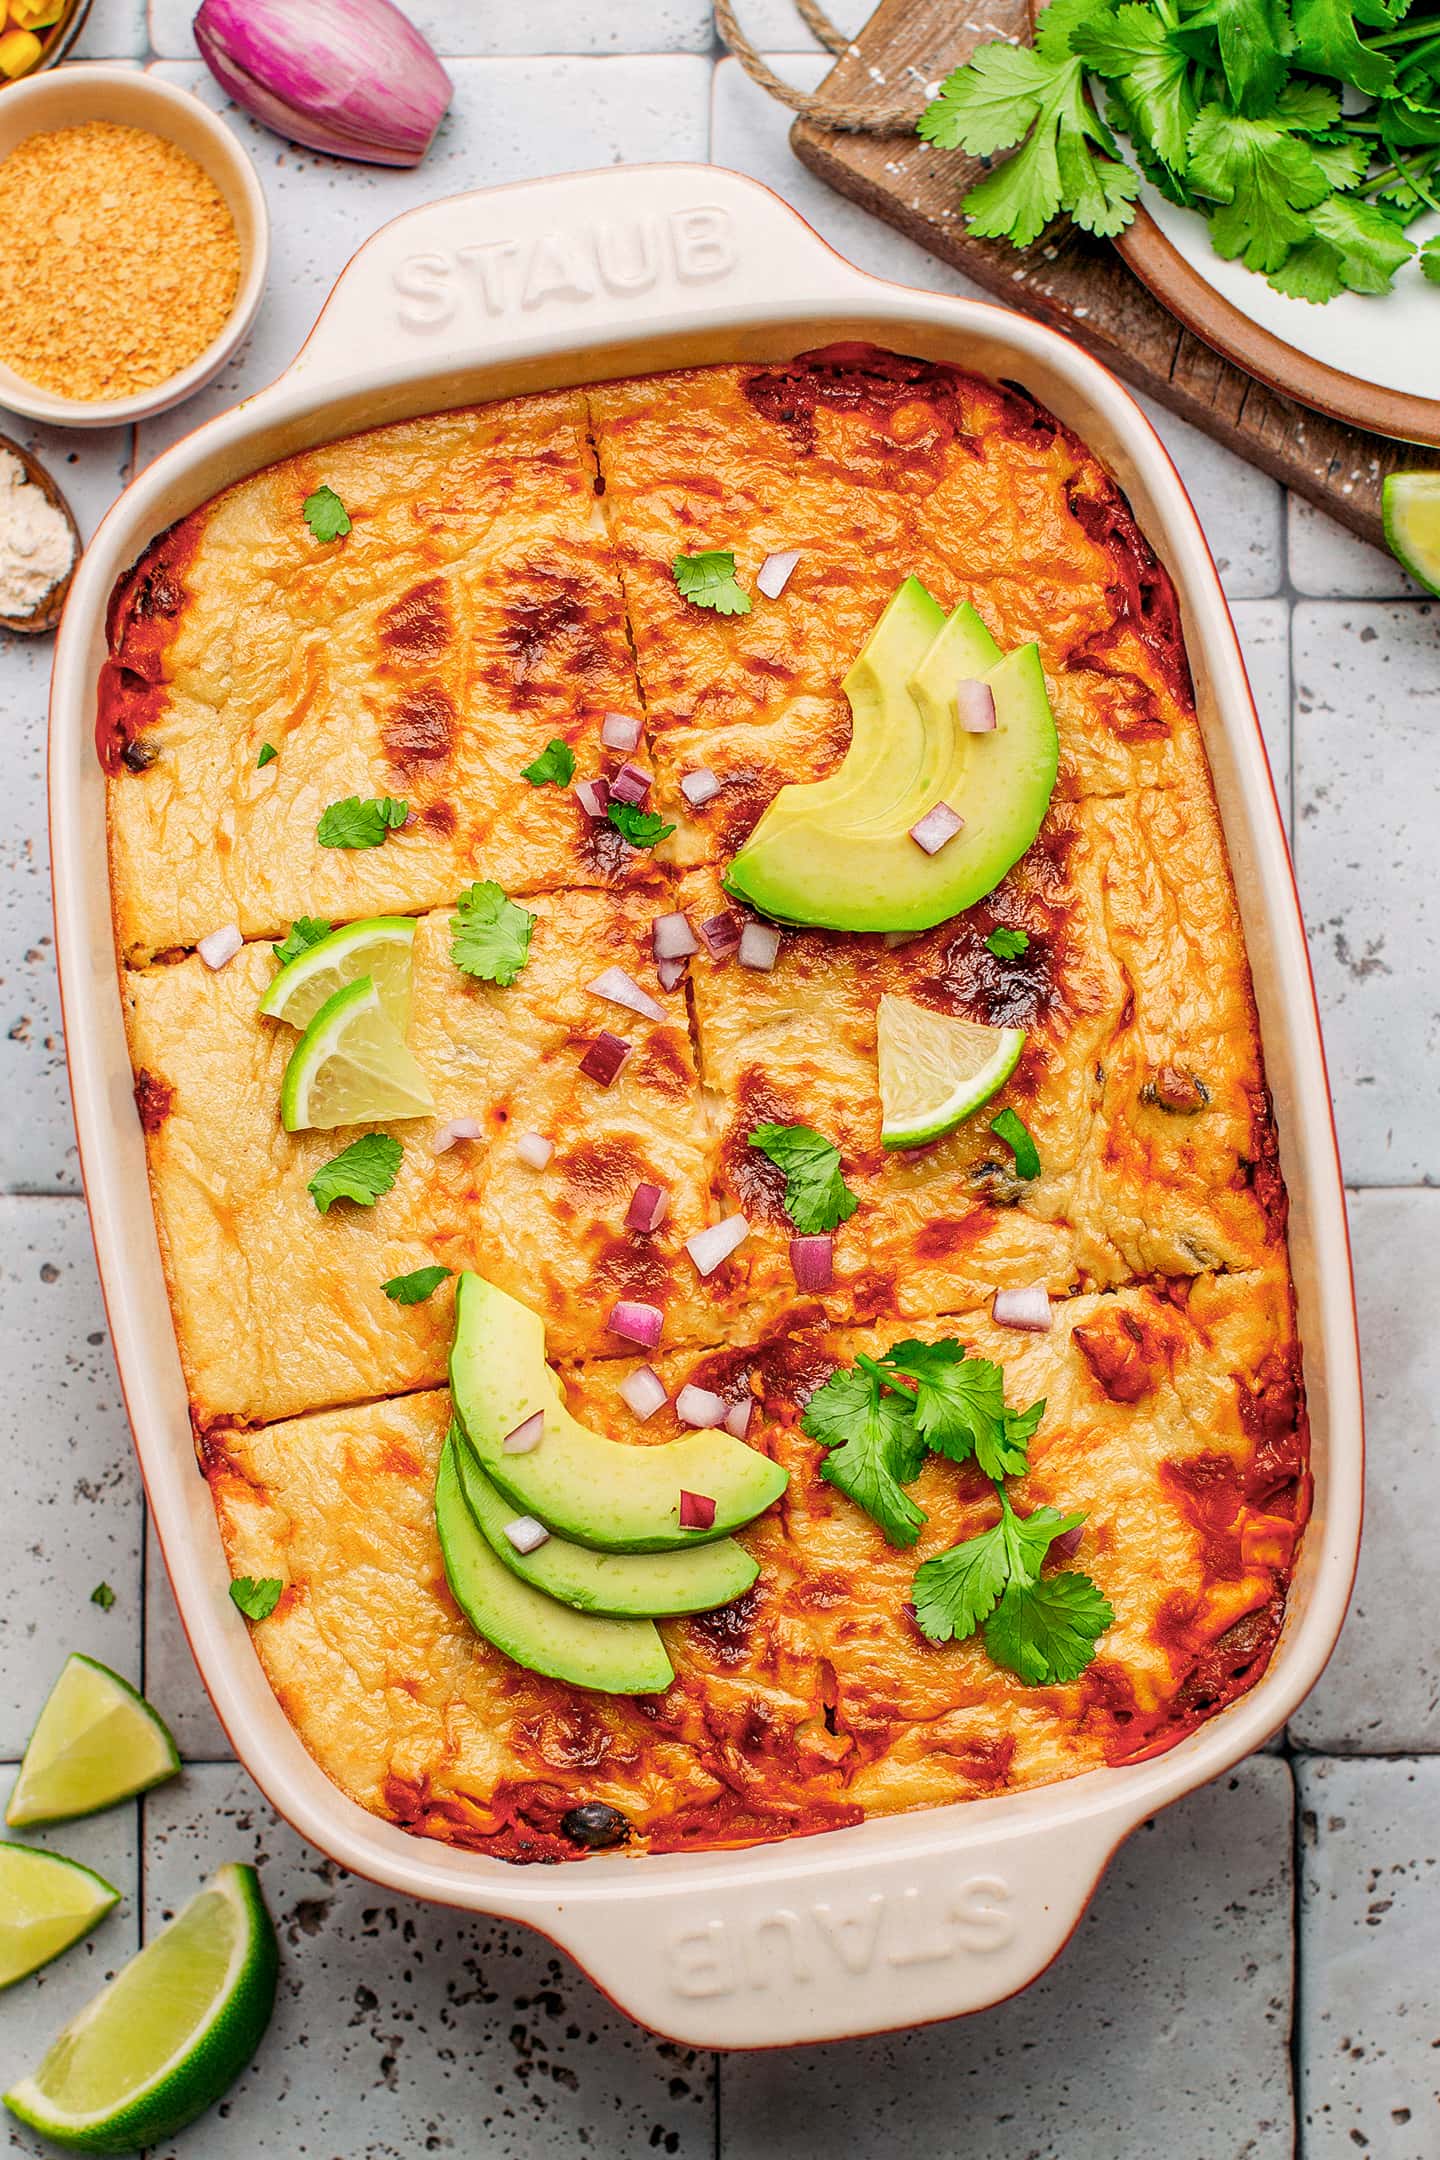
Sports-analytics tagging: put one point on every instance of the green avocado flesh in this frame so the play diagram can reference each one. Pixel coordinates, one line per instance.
(845, 860)
(616, 1657)
(622, 1584)
(602, 1493)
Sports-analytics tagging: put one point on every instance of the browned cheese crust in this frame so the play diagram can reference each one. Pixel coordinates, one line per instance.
(508, 578)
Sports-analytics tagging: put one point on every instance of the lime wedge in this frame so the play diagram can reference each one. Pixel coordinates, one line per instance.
(46, 1903)
(379, 947)
(936, 1071)
(351, 1067)
(95, 1742)
(1411, 503)
(171, 2032)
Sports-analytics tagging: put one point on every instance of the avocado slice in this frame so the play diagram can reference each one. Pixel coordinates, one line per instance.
(597, 1492)
(623, 1584)
(846, 876)
(616, 1657)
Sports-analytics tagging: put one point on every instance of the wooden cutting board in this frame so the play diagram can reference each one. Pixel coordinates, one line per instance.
(1076, 284)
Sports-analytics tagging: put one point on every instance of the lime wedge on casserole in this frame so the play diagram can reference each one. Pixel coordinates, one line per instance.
(936, 1071)
(95, 1742)
(46, 1903)
(351, 1066)
(1412, 524)
(171, 2032)
(379, 947)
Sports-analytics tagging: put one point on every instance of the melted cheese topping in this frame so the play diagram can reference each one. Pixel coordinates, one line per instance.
(507, 579)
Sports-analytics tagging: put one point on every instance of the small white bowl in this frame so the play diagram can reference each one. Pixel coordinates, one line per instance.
(75, 93)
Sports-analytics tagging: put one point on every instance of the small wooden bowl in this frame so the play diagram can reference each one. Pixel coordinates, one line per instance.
(47, 614)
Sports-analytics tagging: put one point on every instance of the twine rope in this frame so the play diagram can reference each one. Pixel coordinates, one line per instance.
(846, 115)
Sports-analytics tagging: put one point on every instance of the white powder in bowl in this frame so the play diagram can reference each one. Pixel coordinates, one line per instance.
(37, 546)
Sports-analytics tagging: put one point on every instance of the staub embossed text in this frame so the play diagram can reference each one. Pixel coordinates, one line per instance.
(817, 1942)
(618, 257)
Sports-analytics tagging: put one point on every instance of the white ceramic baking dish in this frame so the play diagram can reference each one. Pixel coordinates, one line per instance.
(566, 281)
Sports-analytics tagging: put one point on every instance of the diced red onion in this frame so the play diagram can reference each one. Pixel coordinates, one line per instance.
(220, 947)
(699, 787)
(1067, 1544)
(643, 1391)
(525, 1534)
(737, 1417)
(593, 796)
(636, 1322)
(812, 1262)
(352, 77)
(631, 784)
(649, 1205)
(603, 1060)
(759, 946)
(936, 827)
(619, 731)
(526, 1435)
(671, 937)
(774, 573)
(720, 935)
(698, 1407)
(1028, 1308)
(716, 1242)
(975, 706)
(533, 1149)
(622, 989)
(671, 973)
(697, 1511)
(465, 1128)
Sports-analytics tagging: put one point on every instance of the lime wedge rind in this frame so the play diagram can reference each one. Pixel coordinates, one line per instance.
(95, 1743)
(352, 1066)
(1411, 510)
(47, 1902)
(381, 946)
(171, 2032)
(936, 1071)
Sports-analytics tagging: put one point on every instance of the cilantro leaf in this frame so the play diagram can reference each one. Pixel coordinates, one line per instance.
(642, 828)
(1254, 39)
(103, 1596)
(354, 823)
(1017, 1136)
(1045, 1632)
(960, 1405)
(268, 755)
(1263, 179)
(989, 102)
(1365, 246)
(1327, 41)
(1008, 944)
(360, 1172)
(708, 581)
(1430, 259)
(414, 1289)
(1342, 160)
(305, 931)
(490, 934)
(256, 1596)
(326, 515)
(956, 1591)
(874, 1449)
(1137, 48)
(555, 766)
(816, 1195)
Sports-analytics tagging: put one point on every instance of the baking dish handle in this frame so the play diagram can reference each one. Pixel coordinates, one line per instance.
(854, 1940)
(604, 255)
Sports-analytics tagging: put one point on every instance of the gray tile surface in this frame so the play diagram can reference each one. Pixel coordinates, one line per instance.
(1164, 2028)
(1370, 2005)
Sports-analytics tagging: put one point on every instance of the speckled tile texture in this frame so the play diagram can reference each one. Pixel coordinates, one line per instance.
(1259, 1975)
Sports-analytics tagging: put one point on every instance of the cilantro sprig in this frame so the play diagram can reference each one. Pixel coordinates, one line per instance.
(878, 1420)
(326, 515)
(256, 1595)
(415, 1288)
(305, 931)
(1007, 944)
(355, 823)
(360, 1172)
(642, 828)
(816, 1195)
(708, 581)
(555, 766)
(490, 934)
(1230, 107)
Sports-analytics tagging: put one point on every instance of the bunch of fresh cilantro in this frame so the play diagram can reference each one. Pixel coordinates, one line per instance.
(1306, 131)
(879, 1419)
